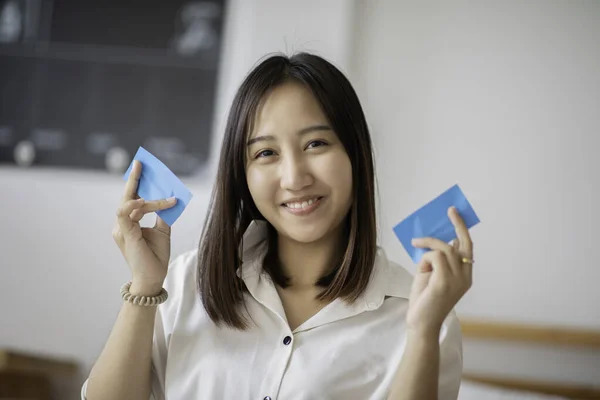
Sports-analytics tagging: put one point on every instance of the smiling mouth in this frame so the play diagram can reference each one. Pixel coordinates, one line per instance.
(303, 207)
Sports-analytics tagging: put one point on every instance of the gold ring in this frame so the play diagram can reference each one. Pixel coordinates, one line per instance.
(466, 260)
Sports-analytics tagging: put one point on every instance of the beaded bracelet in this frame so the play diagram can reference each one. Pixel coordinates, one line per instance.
(143, 300)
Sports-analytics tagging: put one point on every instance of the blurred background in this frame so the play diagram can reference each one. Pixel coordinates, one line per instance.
(501, 97)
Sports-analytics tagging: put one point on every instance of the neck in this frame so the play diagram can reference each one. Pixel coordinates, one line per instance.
(305, 263)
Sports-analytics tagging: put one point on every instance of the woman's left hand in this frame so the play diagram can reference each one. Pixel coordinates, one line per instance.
(443, 276)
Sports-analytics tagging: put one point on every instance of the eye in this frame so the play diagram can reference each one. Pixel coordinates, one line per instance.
(316, 143)
(264, 153)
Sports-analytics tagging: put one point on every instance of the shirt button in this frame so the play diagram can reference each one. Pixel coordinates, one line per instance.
(286, 340)
(267, 398)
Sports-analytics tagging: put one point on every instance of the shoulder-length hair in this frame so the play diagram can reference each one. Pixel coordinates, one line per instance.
(232, 209)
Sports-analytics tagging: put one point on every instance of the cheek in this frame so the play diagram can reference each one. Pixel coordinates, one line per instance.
(260, 184)
(337, 172)
(346, 178)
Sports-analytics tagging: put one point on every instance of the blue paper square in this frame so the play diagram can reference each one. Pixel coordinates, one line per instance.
(432, 220)
(159, 182)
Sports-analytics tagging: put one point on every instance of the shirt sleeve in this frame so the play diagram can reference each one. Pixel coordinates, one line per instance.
(451, 359)
(159, 359)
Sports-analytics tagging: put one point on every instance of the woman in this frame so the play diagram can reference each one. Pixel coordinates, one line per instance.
(288, 296)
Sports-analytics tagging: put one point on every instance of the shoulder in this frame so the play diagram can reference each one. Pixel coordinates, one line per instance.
(182, 266)
(395, 279)
(182, 271)
(382, 261)
(180, 284)
(399, 272)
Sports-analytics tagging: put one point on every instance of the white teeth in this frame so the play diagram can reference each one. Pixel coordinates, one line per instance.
(303, 204)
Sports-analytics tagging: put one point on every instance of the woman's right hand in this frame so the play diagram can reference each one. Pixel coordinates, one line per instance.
(146, 250)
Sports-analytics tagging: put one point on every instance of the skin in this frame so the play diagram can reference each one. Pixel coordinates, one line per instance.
(293, 153)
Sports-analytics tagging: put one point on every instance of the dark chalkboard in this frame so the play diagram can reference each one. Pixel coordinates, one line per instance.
(84, 83)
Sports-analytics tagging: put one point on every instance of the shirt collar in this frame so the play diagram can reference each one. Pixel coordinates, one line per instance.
(387, 279)
(254, 236)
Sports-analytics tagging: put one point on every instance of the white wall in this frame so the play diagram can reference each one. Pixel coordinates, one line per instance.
(60, 269)
(501, 97)
(257, 28)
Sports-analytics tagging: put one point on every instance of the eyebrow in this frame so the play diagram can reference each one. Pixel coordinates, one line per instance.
(302, 131)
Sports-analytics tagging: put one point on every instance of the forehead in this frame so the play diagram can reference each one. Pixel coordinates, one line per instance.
(289, 106)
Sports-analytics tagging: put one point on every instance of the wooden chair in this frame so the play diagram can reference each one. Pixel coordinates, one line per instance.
(517, 333)
(28, 376)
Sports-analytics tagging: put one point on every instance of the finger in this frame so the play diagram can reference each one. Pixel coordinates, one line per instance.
(439, 264)
(421, 280)
(162, 226)
(468, 271)
(133, 181)
(424, 267)
(453, 257)
(469, 274)
(465, 244)
(137, 215)
(157, 205)
(467, 267)
(431, 243)
(152, 206)
(124, 212)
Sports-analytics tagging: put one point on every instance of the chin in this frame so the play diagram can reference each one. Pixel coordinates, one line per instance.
(307, 229)
(306, 233)
(304, 236)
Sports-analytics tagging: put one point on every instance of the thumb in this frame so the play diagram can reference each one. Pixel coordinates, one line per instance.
(424, 266)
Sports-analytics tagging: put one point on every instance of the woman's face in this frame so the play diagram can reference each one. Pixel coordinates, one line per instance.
(298, 172)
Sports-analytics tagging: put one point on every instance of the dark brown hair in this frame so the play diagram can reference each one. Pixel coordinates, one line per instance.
(232, 209)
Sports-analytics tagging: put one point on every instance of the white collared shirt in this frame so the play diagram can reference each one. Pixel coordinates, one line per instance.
(345, 351)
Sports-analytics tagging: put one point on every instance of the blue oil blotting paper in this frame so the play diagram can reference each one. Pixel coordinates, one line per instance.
(432, 220)
(159, 182)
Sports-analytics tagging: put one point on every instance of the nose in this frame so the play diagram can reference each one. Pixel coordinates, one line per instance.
(295, 173)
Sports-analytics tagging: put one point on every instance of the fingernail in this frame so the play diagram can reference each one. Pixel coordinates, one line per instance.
(172, 199)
